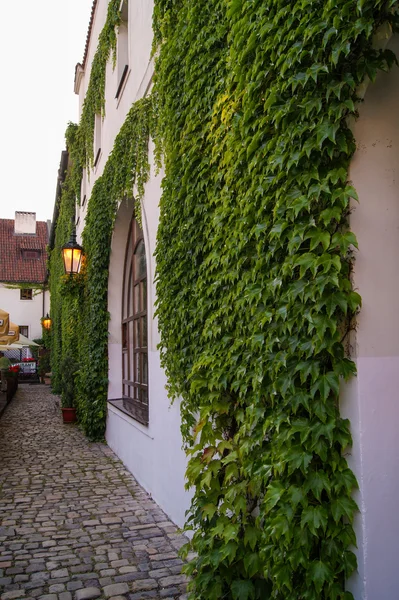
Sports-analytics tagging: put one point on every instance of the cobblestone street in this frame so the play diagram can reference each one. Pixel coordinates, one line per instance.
(74, 524)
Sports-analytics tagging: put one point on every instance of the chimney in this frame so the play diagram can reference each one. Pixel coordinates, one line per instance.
(25, 223)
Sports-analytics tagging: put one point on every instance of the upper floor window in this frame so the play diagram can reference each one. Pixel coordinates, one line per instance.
(123, 47)
(31, 253)
(24, 330)
(97, 138)
(83, 189)
(26, 294)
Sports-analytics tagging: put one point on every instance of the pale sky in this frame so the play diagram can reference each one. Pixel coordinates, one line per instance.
(40, 43)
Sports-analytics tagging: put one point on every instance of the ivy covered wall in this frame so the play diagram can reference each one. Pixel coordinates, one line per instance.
(254, 294)
(250, 112)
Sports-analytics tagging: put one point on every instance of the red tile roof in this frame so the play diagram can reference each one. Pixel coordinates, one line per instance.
(93, 10)
(14, 267)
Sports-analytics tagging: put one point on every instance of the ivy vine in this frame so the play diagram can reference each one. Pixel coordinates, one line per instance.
(254, 295)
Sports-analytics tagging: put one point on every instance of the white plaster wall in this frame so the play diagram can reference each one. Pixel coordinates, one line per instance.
(372, 401)
(24, 312)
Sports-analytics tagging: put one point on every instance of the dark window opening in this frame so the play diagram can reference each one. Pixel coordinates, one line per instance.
(26, 294)
(31, 254)
(123, 47)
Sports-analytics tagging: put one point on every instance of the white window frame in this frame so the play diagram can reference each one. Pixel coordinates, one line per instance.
(122, 50)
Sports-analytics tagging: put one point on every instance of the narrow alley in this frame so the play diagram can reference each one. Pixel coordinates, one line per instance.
(74, 524)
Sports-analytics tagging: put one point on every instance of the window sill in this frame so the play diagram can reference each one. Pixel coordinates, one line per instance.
(134, 410)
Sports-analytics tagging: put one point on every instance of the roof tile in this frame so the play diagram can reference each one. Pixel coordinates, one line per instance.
(14, 267)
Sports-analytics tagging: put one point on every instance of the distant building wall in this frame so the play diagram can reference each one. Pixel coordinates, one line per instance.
(25, 312)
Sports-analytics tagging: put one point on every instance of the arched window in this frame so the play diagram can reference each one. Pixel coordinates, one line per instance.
(135, 327)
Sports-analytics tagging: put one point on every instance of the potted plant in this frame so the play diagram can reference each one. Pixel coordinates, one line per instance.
(44, 364)
(69, 368)
(12, 381)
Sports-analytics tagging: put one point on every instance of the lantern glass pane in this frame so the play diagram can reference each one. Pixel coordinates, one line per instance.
(76, 256)
(68, 256)
(46, 323)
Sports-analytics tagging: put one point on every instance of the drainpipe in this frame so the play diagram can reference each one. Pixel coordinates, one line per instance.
(44, 291)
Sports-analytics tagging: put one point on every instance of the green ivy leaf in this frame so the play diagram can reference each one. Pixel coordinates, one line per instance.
(243, 589)
(320, 573)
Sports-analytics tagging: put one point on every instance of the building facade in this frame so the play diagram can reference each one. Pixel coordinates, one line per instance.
(23, 271)
(144, 432)
(143, 427)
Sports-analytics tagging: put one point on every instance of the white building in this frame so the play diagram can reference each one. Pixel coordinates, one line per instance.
(145, 434)
(23, 271)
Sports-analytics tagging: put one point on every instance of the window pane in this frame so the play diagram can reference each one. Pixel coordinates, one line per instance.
(144, 396)
(144, 332)
(124, 335)
(144, 295)
(125, 366)
(130, 307)
(137, 333)
(137, 307)
(145, 368)
(139, 261)
(137, 368)
(127, 281)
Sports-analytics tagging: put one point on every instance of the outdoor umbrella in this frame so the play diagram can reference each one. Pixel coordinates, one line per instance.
(12, 346)
(24, 341)
(11, 337)
(4, 322)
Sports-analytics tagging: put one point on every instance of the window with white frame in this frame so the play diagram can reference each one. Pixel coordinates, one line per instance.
(123, 47)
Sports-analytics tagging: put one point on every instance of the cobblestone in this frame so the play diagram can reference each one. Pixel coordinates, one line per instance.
(74, 523)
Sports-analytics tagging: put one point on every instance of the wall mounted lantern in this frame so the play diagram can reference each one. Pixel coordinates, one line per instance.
(46, 322)
(72, 254)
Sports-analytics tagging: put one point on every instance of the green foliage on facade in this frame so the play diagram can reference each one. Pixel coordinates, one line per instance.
(254, 295)
(79, 307)
(64, 306)
(254, 261)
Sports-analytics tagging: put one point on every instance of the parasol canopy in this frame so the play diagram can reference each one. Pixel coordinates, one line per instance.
(11, 337)
(4, 322)
(24, 341)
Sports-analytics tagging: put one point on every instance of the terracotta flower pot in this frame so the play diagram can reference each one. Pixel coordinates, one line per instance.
(69, 415)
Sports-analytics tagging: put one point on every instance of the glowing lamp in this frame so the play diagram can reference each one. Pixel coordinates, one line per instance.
(46, 322)
(72, 255)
